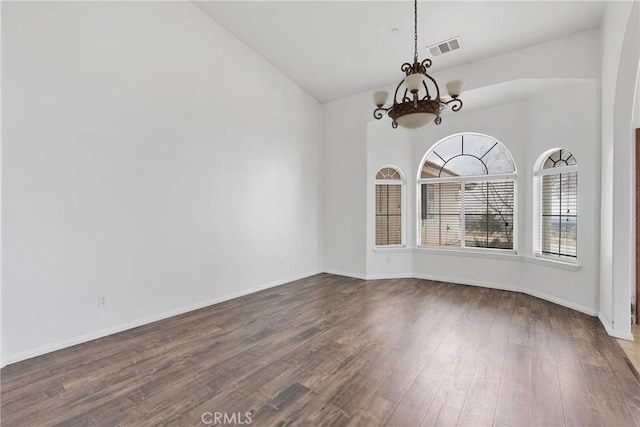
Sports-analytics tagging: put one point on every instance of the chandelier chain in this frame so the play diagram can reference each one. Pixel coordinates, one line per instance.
(415, 32)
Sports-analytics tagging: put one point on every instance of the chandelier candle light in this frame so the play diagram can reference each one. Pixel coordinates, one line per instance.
(419, 105)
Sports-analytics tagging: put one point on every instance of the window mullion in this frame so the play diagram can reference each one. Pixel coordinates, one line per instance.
(462, 216)
(486, 189)
(560, 207)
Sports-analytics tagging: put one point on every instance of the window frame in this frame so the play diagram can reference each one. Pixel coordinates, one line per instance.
(402, 182)
(463, 179)
(538, 173)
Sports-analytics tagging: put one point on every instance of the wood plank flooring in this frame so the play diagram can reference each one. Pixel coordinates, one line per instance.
(334, 351)
(632, 349)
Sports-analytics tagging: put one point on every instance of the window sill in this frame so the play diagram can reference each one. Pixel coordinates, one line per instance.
(391, 249)
(474, 253)
(555, 263)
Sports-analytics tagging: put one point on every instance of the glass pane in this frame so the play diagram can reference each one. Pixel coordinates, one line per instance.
(568, 236)
(450, 230)
(560, 214)
(569, 193)
(549, 163)
(475, 230)
(449, 147)
(381, 200)
(551, 234)
(489, 214)
(440, 214)
(551, 195)
(388, 173)
(394, 230)
(570, 159)
(389, 214)
(468, 155)
(394, 199)
(477, 145)
(559, 158)
(432, 166)
(463, 166)
(382, 237)
(499, 160)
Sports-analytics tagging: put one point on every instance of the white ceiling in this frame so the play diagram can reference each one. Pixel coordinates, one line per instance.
(334, 49)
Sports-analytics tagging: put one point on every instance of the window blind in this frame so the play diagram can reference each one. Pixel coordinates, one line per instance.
(559, 214)
(388, 214)
(440, 214)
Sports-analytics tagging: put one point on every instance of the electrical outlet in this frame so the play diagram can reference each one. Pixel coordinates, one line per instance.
(102, 301)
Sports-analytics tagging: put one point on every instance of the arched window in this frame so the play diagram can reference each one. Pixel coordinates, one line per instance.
(556, 204)
(389, 207)
(466, 189)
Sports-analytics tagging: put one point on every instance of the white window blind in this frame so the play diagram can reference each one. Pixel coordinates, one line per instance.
(389, 207)
(440, 218)
(388, 214)
(559, 222)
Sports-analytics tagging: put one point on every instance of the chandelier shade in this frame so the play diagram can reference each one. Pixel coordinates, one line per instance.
(454, 88)
(380, 97)
(416, 101)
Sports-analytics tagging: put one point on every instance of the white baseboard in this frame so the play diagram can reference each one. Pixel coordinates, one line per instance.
(611, 331)
(371, 276)
(390, 276)
(68, 342)
(346, 274)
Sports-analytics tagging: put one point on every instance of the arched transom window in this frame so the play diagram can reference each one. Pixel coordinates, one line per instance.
(389, 207)
(466, 189)
(556, 205)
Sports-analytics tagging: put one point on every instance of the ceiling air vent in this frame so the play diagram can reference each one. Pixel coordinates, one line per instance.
(445, 47)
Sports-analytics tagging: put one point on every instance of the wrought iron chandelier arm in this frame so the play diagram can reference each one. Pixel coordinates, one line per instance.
(395, 94)
(427, 96)
(378, 113)
(456, 104)
(426, 63)
(405, 98)
(435, 84)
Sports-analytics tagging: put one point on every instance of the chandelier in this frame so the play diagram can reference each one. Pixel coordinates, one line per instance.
(419, 104)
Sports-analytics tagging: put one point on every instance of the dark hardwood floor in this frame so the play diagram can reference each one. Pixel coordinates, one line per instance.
(333, 351)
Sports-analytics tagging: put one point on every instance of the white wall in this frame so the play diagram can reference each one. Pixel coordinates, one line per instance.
(620, 57)
(345, 185)
(150, 157)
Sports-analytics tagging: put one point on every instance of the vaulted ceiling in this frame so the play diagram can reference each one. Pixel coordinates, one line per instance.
(334, 49)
